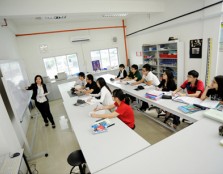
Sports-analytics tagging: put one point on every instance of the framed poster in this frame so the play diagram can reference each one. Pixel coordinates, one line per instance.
(96, 65)
(196, 48)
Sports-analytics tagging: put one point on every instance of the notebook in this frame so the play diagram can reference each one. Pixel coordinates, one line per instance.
(214, 114)
(193, 100)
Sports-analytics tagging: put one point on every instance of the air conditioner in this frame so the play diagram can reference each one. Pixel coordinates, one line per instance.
(80, 39)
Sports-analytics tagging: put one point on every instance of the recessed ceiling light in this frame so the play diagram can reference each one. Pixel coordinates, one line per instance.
(115, 15)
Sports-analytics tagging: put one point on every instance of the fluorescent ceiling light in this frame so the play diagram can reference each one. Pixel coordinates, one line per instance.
(115, 15)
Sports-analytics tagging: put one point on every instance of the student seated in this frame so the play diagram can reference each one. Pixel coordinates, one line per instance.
(214, 90)
(168, 84)
(105, 94)
(81, 80)
(122, 72)
(134, 73)
(149, 79)
(91, 86)
(123, 110)
(194, 86)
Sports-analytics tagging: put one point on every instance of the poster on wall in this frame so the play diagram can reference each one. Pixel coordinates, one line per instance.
(96, 65)
(196, 48)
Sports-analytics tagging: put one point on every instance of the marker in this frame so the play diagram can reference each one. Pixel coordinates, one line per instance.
(111, 125)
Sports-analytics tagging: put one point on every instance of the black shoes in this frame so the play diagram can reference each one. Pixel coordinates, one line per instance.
(53, 126)
(46, 124)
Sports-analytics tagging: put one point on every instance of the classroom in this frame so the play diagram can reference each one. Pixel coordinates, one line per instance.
(85, 86)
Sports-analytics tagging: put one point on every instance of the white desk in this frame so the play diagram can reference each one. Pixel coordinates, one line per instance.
(105, 149)
(193, 150)
(10, 165)
(164, 104)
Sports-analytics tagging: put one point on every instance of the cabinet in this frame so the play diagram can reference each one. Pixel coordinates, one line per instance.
(165, 56)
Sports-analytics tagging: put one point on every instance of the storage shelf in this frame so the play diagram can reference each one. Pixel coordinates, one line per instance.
(168, 50)
(171, 66)
(165, 55)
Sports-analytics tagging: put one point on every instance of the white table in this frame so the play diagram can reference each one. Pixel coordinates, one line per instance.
(105, 149)
(193, 150)
(10, 165)
(167, 105)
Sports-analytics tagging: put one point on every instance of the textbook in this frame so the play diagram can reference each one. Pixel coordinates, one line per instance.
(193, 100)
(189, 109)
(100, 126)
(154, 94)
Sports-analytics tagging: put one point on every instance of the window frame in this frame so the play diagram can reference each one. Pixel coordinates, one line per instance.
(101, 65)
(55, 60)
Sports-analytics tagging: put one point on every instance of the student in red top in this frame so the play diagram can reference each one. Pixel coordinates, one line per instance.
(194, 87)
(123, 110)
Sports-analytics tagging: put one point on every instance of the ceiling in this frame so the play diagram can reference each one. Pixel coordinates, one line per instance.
(26, 12)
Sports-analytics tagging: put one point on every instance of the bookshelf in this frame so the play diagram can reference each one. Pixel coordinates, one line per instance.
(165, 56)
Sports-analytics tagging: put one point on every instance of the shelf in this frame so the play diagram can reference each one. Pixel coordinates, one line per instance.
(168, 50)
(171, 66)
(149, 51)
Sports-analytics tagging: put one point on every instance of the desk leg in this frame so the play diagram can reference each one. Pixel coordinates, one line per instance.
(27, 165)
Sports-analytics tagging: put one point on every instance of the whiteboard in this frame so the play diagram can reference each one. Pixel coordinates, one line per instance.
(15, 80)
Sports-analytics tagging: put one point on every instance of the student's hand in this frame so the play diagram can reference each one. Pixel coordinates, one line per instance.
(181, 94)
(93, 115)
(135, 83)
(174, 93)
(221, 102)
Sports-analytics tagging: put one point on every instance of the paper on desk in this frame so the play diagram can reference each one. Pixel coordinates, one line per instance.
(97, 112)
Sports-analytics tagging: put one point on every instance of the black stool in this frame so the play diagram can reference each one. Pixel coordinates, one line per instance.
(76, 158)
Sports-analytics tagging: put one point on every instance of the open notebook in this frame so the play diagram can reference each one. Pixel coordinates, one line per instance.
(193, 100)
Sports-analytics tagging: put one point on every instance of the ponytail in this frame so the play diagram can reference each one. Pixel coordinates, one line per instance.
(121, 96)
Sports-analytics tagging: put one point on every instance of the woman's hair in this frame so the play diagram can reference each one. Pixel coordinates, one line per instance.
(39, 77)
(90, 77)
(102, 83)
(219, 80)
(169, 75)
(121, 96)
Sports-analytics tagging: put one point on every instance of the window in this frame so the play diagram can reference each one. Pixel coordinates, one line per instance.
(66, 63)
(106, 57)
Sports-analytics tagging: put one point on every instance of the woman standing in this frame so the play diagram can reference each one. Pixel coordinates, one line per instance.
(123, 111)
(215, 90)
(41, 100)
(105, 94)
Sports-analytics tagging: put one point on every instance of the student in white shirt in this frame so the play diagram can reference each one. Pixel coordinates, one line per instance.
(149, 79)
(105, 94)
(81, 81)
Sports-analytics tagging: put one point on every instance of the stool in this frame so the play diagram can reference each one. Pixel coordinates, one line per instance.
(76, 158)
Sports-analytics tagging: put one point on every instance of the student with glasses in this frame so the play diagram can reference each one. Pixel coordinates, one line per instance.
(193, 85)
(122, 109)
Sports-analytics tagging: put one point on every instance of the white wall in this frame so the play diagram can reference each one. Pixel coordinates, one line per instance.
(60, 44)
(185, 29)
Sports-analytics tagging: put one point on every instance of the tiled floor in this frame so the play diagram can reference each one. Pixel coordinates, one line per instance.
(60, 142)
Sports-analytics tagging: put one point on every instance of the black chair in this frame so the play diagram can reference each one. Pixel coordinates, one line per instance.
(76, 158)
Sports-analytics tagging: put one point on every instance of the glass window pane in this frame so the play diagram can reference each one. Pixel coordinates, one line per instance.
(95, 55)
(113, 52)
(50, 66)
(73, 64)
(105, 59)
(62, 66)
